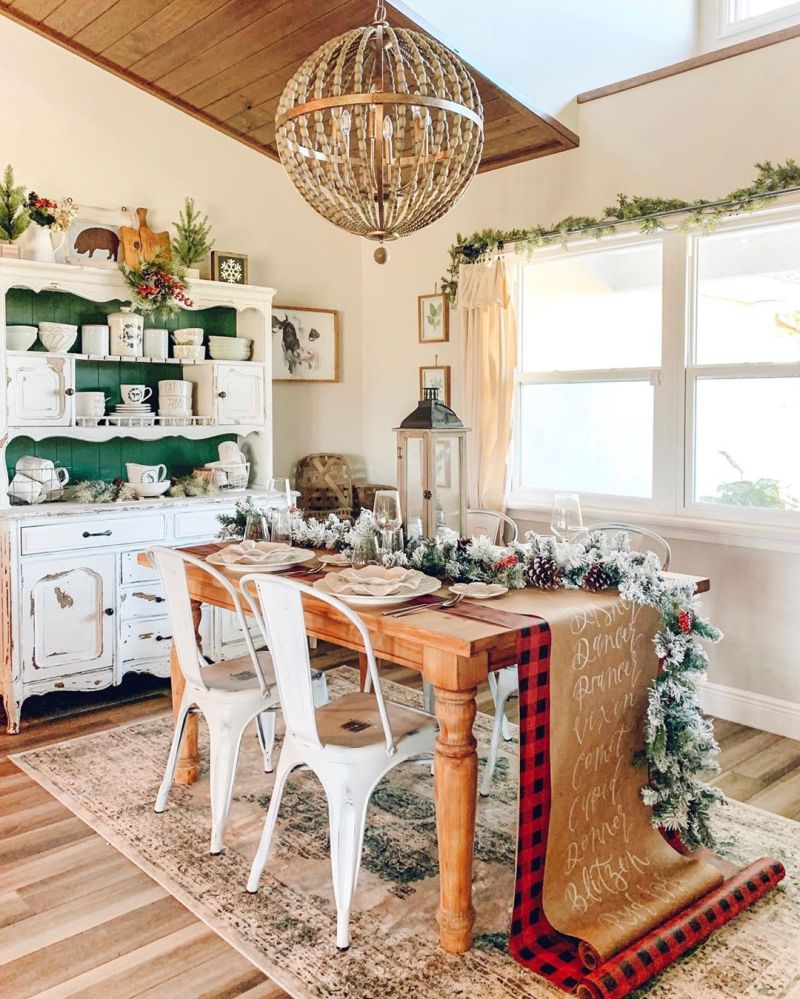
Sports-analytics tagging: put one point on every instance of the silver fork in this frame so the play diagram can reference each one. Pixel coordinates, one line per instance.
(443, 605)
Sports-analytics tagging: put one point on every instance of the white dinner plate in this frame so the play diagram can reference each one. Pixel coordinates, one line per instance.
(427, 585)
(334, 558)
(479, 591)
(294, 556)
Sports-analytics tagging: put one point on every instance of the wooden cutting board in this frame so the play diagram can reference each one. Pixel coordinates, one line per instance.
(142, 243)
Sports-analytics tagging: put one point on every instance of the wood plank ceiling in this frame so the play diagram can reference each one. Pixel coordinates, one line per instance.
(226, 62)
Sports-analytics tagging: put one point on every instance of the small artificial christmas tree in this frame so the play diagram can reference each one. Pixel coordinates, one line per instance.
(14, 215)
(192, 241)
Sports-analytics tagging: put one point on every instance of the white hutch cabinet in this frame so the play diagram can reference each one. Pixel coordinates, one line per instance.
(77, 610)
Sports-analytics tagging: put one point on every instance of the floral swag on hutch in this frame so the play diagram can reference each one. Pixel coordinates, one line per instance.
(679, 742)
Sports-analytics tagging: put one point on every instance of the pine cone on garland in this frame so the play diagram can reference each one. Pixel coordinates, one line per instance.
(596, 578)
(543, 572)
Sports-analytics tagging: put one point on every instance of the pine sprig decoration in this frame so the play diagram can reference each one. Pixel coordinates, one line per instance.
(14, 214)
(650, 212)
(192, 241)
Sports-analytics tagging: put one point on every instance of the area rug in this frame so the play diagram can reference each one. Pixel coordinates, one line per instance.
(288, 930)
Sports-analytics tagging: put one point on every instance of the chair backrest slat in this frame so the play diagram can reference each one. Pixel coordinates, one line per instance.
(498, 527)
(172, 564)
(280, 613)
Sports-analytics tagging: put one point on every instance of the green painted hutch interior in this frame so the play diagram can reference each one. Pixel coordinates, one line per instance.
(93, 460)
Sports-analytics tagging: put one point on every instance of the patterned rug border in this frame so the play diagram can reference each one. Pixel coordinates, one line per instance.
(282, 977)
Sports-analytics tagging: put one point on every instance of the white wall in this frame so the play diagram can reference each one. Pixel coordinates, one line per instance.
(697, 134)
(69, 128)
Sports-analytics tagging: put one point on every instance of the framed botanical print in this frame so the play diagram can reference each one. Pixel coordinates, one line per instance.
(437, 377)
(305, 344)
(433, 318)
(228, 267)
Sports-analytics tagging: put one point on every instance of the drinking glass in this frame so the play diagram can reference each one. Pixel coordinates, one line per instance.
(256, 527)
(365, 551)
(566, 520)
(282, 527)
(387, 516)
(280, 492)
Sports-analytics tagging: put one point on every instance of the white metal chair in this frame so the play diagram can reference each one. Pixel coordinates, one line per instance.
(350, 743)
(492, 524)
(642, 539)
(505, 682)
(229, 694)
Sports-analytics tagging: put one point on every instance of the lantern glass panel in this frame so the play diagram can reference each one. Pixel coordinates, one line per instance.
(447, 465)
(415, 485)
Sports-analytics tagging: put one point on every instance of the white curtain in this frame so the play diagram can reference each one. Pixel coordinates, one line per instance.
(486, 297)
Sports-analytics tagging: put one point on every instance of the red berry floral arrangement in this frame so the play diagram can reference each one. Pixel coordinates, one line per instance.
(158, 286)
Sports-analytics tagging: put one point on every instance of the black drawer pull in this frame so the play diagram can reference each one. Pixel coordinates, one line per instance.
(222, 395)
(109, 611)
(163, 638)
(97, 534)
(69, 391)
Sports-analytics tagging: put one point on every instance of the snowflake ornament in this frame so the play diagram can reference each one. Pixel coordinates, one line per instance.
(231, 270)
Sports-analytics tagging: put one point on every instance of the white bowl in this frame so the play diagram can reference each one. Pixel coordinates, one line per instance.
(189, 352)
(57, 337)
(191, 335)
(148, 490)
(20, 337)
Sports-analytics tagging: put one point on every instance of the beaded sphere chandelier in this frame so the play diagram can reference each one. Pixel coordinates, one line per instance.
(380, 130)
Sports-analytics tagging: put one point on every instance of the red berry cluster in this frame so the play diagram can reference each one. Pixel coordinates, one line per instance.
(685, 621)
(160, 284)
(507, 561)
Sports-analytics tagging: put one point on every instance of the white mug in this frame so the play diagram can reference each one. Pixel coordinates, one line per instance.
(156, 344)
(55, 484)
(31, 467)
(135, 393)
(145, 473)
(24, 488)
(90, 404)
(94, 340)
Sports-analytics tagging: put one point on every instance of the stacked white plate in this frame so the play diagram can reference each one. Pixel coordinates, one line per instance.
(229, 348)
(259, 556)
(375, 586)
(134, 414)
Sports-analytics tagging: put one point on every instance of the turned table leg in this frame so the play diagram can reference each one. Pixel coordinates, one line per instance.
(188, 769)
(456, 788)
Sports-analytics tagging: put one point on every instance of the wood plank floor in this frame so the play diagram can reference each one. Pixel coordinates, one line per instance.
(78, 919)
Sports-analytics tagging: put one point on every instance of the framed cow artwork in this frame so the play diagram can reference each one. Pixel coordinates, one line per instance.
(305, 344)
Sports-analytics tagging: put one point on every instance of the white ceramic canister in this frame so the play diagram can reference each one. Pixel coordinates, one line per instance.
(156, 344)
(127, 333)
(95, 340)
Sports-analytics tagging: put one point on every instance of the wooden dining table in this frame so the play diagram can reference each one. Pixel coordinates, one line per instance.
(455, 655)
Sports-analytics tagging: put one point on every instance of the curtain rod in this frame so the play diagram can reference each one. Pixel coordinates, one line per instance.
(613, 223)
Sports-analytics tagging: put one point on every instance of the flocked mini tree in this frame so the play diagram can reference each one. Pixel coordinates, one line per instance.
(14, 215)
(192, 240)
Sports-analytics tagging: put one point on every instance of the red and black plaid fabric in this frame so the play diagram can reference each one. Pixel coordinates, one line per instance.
(533, 941)
(638, 963)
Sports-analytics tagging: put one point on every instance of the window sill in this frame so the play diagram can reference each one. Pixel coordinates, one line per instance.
(768, 537)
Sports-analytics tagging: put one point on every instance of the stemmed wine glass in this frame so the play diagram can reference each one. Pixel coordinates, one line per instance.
(387, 516)
(566, 520)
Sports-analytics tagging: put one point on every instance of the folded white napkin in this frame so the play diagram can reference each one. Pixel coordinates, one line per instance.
(249, 553)
(373, 581)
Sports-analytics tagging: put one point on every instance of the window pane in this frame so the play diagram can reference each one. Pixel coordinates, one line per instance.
(745, 454)
(755, 8)
(593, 310)
(748, 299)
(592, 437)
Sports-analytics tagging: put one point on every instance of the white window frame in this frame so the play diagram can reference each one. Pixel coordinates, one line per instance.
(672, 506)
(730, 22)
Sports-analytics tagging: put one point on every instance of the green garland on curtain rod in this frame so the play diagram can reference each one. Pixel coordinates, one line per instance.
(770, 181)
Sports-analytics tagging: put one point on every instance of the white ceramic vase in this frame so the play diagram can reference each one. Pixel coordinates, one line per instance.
(36, 244)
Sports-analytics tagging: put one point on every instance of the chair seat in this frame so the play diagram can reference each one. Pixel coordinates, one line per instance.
(238, 674)
(353, 721)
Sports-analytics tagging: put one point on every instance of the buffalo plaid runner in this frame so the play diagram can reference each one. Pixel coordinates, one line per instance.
(533, 941)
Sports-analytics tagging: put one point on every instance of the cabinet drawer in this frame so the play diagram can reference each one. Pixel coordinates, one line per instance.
(145, 640)
(90, 532)
(132, 572)
(199, 524)
(142, 601)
